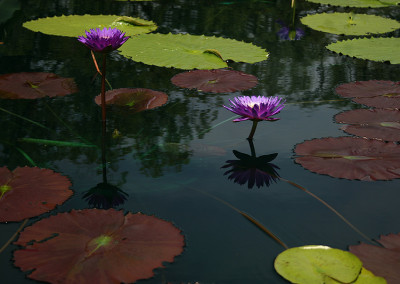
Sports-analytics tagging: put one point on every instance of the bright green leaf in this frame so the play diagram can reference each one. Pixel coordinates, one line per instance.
(186, 51)
(350, 23)
(367, 277)
(358, 3)
(317, 265)
(76, 25)
(376, 49)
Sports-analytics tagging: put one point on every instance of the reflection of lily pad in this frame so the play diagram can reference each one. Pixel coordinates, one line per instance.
(350, 23)
(27, 192)
(358, 3)
(374, 93)
(372, 123)
(97, 246)
(27, 85)
(376, 49)
(186, 51)
(382, 261)
(215, 81)
(134, 99)
(351, 158)
(317, 264)
(75, 25)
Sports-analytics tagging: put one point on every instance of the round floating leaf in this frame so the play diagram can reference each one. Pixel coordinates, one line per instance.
(97, 246)
(367, 277)
(27, 85)
(134, 99)
(350, 23)
(372, 123)
(28, 192)
(75, 25)
(317, 265)
(215, 81)
(351, 158)
(376, 49)
(186, 51)
(382, 261)
(358, 3)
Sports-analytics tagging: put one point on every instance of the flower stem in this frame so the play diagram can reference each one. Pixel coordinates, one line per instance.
(103, 92)
(253, 129)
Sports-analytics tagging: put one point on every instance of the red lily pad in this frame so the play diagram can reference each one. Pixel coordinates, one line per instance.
(135, 99)
(382, 261)
(215, 81)
(97, 246)
(373, 93)
(350, 158)
(27, 85)
(28, 192)
(372, 123)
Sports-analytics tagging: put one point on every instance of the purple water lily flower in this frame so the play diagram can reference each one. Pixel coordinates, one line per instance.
(103, 40)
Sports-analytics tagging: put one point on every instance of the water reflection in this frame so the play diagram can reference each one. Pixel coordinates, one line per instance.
(252, 170)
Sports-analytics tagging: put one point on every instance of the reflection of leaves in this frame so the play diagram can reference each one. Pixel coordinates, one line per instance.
(97, 246)
(105, 196)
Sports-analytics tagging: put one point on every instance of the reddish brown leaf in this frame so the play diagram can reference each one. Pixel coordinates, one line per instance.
(351, 158)
(27, 85)
(215, 81)
(97, 246)
(374, 93)
(372, 123)
(134, 99)
(382, 261)
(28, 192)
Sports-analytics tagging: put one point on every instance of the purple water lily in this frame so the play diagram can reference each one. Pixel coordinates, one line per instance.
(103, 40)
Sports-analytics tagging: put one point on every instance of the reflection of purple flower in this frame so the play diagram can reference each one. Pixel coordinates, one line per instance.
(285, 33)
(105, 40)
(105, 196)
(256, 108)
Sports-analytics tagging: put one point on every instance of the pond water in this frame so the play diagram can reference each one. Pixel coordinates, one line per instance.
(169, 160)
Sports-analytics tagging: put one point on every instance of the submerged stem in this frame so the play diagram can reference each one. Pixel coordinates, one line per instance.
(14, 235)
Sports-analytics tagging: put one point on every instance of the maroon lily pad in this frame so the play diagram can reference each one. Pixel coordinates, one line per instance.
(28, 192)
(97, 246)
(135, 99)
(372, 123)
(350, 158)
(382, 261)
(373, 93)
(215, 81)
(33, 85)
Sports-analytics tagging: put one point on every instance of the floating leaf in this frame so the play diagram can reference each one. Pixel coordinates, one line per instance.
(374, 93)
(358, 3)
(215, 81)
(75, 25)
(372, 123)
(97, 246)
(367, 277)
(350, 23)
(186, 51)
(382, 261)
(33, 85)
(134, 99)
(28, 192)
(351, 158)
(376, 49)
(315, 264)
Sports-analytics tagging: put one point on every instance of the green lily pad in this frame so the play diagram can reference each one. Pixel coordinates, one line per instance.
(75, 25)
(186, 51)
(367, 277)
(315, 264)
(358, 3)
(376, 49)
(350, 23)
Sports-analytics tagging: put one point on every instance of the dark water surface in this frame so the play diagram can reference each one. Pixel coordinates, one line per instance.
(168, 158)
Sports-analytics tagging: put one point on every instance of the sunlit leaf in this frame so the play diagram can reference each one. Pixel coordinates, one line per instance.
(350, 23)
(97, 246)
(215, 81)
(376, 49)
(350, 158)
(186, 51)
(75, 25)
(31, 85)
(367, 277)
(27, 192)
(358, 3)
